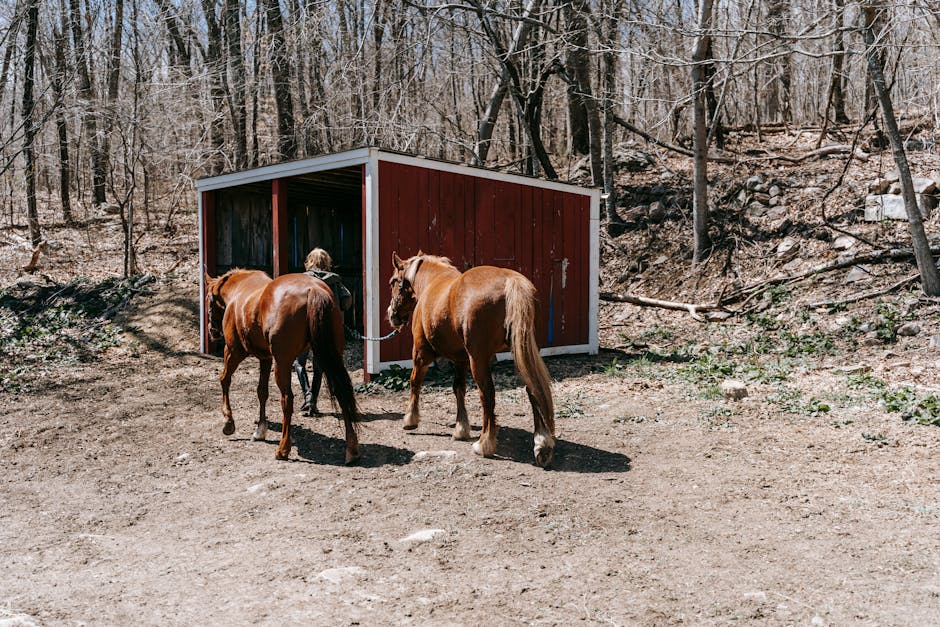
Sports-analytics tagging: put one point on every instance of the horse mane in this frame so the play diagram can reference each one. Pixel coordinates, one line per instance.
(443, 260)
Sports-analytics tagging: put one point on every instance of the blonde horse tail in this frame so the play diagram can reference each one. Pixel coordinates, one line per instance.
(520, 327)
(326, 343)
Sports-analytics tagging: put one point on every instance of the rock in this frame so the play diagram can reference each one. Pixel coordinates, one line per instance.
(892, 176)
(110, 208)
(935, 343)
(18, 620)
(871, 339)
(753, 182)
(857, 273)
(788, 247)
(774, 201)
(733, 389)
(657, 212)
(777, 213)
(756, 210)
(631, 159)
(791, 265)
(774, 191)
(339, 575)
(761, 197)
(182, 458)
(888, 206)
(923, 185)
(717, 316)
(441, 455)
(895, 188)
(843, 242)
(909, 329)
(879, 186)
(423, 536)
(660, 260)
(854, 369)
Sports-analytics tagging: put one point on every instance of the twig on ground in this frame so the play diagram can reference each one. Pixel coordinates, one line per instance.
(866, 295)
(694, 309)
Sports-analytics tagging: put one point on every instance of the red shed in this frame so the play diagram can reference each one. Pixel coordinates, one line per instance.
(361, 205)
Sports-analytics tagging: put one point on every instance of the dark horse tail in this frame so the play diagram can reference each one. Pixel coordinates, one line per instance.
(520, 326)
(326, 337)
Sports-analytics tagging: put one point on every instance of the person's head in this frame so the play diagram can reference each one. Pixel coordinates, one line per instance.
(318, 259)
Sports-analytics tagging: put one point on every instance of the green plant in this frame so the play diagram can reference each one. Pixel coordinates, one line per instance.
(886, 323)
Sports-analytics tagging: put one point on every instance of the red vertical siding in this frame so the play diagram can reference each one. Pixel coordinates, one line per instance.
(478, 221)
(281, 238)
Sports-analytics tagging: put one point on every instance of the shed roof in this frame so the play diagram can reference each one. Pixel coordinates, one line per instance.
(360, 156)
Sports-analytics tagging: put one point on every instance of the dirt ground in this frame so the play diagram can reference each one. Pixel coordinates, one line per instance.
(122, 503)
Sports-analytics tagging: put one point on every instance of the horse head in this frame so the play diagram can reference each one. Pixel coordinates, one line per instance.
(215, 306)
(404, 300)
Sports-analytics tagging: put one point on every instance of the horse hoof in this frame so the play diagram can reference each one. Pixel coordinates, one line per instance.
(228, 428)
(461, 432)
(544, 456)
(352, 457)
(482, 450)
(281, 456)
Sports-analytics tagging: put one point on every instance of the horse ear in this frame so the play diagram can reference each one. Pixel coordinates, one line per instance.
(396, 261)
(207, 279)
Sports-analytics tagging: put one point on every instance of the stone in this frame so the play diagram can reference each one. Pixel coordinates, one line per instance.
(857, 273)
(660, 260)
(753, 182)
(791, 265)
(892, 176)
(871, 340)
(761, 197)
(880, 207)
(777, 213)
(110, 208)
(774, 191)
(788, 247)
(935, 343)
(717, 316)
(909, 329)
(341, 574)
(423, 535)
(924, 185)
(854, 369)
(733, 389)
(895, 188)
(434, 455)
(774, 201)
(18, 620)
(843, 242)
(756, 210)
(631, 159)
(657, 212)
(879, 186)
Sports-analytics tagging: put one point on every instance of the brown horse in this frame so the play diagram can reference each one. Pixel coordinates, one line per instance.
(276, 320)
(468, 318)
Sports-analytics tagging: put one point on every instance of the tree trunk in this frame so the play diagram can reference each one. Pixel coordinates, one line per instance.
(280, 74)
(114, 80)
(56, 78)
(612, 26)
(701, 241)
(86, 94)
(838, 68)
(488, 123)
(216, 71)
(236, 88)
(29, 126)
(930, 278)
(578, 62)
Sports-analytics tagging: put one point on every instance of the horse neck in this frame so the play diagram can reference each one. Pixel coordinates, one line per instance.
(432, 271)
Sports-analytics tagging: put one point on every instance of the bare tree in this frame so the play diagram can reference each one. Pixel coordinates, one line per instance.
(29, 127)
(929, 277)
(701, 240)
(280, 74)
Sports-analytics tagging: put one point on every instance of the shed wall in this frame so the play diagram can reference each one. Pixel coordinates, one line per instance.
(541, 233)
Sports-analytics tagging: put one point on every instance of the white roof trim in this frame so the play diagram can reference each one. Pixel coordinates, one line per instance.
(290, 168)
(361, 156)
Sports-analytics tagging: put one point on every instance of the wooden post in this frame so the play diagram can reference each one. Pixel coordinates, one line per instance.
(281, 261)
(209, 255)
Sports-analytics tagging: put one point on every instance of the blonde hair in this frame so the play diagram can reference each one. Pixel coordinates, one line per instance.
(318, 259)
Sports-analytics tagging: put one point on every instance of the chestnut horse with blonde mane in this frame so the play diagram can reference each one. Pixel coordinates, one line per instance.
(468, 318)
(276, 320)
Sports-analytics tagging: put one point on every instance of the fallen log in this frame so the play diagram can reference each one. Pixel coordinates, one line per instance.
(692, 308)
(858, 297)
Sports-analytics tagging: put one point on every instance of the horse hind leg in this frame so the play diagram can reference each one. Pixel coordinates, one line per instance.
(230, 361)
(544, 439)
(282, 373)
(462, 425)
(482, 374)
(261, 430)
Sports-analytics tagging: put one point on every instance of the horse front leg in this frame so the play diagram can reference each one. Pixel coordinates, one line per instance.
(230, 361)
(261, 430)
(482, 374)
(413, 415)
(462, 425)
(282, 371)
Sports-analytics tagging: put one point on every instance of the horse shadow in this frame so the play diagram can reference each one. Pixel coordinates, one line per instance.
(516, 445)
(325, 450)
